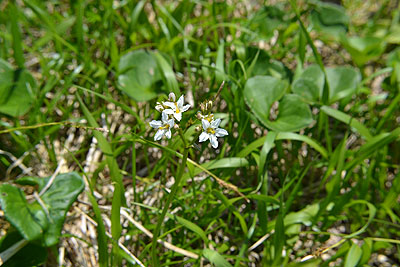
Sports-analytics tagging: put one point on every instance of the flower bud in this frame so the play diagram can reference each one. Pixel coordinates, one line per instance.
(198, 128)
(199, 115)
(176, 126)
(171, 97)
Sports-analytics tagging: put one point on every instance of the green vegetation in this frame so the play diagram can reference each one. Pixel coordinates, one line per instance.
(295, 105)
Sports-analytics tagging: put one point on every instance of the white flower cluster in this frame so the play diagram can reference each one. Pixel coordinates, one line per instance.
(173, 108)
(211, 130)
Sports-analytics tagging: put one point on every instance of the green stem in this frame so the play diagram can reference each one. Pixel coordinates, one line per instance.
(170, 197)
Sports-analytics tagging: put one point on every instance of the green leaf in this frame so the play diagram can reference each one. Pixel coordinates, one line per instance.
(215, 258)
(167, 74)
(343, 81)
(353, 256)
(260, 92)
(363, 49)
(29, 255)
(310, 83)
(138, 73)
(343, 117)
(19, 213)
(17, 90)
(58, 199)
(330, 18)
(192, 226)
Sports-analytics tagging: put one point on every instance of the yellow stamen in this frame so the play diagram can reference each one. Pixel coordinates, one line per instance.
(210, 131)
(166, 126)
(177, 109)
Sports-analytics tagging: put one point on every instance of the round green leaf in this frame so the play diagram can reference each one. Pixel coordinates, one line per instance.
(17, 90)
(261, 92)
(330, 18)
(138, 73)
(310, 83)
(343, 81)
(364, 49)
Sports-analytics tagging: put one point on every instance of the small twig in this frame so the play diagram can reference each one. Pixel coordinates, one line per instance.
(219, 91)
(11, 251)
(261, 240)
(53, 177)
(41, 203)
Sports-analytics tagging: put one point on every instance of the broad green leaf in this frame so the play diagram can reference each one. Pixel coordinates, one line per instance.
(17, 90)
(138, 73)
(353, 256)
(310, 83)
(364, 49)
(30, 254)
(215, 258)
(58, 199)
(343, 81)
(19, 213)
(261, 92)
(293, 115)
(330, 18)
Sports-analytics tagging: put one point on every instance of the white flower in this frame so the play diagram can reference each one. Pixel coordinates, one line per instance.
(175, 108)
(211, 131)
(164, 127)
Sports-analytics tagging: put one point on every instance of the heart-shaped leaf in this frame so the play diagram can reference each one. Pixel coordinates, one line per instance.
(17, 90)
(138, 73)
(310, 83)
(260, 92)
(343, 81)
(363, 49)
(330, 18)
(58, 199)
(31, 220)
(293, 115)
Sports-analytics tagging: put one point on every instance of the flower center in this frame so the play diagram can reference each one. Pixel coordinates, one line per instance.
(166, 126)
(210, 131)
(209, 117)
(177, 109)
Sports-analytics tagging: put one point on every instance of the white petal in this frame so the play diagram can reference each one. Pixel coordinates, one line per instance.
(168, 134)
(159, 134)
(220, 132)
(213, 141)
(171, 96)
(203, 137)
(164, 117)
(159, 107)
(180, 102)
(171, 123)
(170, 104)
(178, 116)
(184, 108)
(169, 111)
(205, 124)
(155, 124)
(215, 124)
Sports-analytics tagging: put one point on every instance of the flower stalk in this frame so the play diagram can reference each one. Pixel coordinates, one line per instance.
(170, 197)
